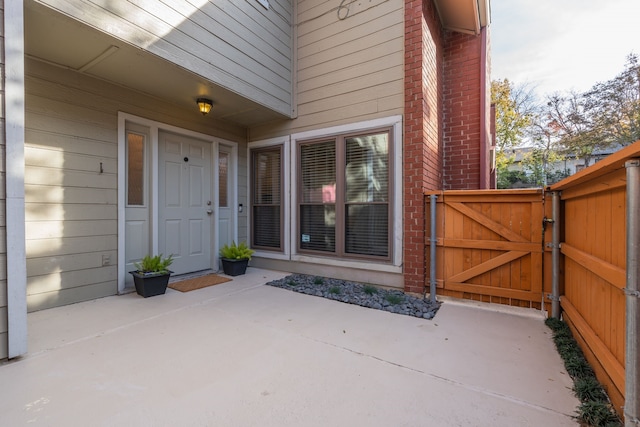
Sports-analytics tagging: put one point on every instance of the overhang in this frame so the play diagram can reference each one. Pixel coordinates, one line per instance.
(464, 16)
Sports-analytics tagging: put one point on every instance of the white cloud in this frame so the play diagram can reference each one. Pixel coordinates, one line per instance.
(564, 44)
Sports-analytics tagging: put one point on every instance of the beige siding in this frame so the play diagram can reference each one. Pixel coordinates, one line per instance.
(348, 70)
(237, 44)
(3, 228)
(71, 208)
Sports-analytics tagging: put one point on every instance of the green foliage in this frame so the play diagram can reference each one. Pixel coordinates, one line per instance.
(598, 414)
(318, 280)
(589, 389)
(394, 299)
(335, 290)
(595, 409)
(292, 283)
(154, 264)
(507, 178)
(370, 290)
(512, 112)
(234, 251)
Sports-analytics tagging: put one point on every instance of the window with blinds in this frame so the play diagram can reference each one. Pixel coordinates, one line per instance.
(343, 195)
(266, 201)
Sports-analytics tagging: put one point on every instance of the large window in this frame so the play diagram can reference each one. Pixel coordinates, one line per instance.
(343, 195)
(266, 198)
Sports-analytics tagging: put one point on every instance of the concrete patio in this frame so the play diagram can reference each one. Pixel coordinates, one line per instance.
(245, 354)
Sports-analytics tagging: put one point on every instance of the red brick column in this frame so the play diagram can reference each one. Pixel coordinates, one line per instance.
(463, 124)
(422, 131)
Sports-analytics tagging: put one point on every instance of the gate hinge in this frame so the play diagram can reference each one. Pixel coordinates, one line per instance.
(631, 293)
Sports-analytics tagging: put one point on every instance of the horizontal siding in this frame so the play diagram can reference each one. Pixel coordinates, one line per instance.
(71, 206)
(61, 297)
(348, 70)
(238, 45)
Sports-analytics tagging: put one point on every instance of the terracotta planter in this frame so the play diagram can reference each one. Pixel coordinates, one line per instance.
(150, 284)
(234, 267)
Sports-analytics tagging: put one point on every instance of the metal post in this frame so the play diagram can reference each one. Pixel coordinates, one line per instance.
(434, 241)
(555, 256)
(632, 291)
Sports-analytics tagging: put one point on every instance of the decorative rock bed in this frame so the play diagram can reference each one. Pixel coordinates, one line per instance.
(393, 301)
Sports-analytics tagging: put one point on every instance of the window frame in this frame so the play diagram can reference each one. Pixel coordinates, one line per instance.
(253, 152)
(144, 172)
(341, 204)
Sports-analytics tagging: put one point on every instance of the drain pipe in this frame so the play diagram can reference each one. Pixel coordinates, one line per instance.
(434, 240)
(632, 291)
(555, 256)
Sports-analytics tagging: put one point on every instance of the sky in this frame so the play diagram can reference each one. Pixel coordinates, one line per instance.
(562, 45)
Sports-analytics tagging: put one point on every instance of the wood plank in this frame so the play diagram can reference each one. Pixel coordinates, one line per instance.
(487, 266)
(613, 367)
(603, 167)
(612, 181)
(493, 291)
(487, 222)
(609, 272)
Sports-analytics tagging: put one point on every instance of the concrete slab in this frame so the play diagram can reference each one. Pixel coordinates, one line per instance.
(244, 354)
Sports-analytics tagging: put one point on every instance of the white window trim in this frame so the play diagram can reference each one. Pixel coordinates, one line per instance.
(154, 129)
(396, 258)
(286, 191)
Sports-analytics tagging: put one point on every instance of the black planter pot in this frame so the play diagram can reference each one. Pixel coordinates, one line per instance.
(234, 267)
(150, 284)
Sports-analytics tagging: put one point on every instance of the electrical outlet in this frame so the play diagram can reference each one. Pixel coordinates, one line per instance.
(106, 259)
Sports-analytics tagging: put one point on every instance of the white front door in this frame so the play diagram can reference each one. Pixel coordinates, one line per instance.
(184, 201)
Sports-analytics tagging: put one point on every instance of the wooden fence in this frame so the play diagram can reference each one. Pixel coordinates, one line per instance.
(493, 246)
(593, 248)
(489, 245)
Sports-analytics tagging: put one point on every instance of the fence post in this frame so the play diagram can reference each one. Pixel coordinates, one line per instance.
(632, 291)
(555, 256)
(434, 241)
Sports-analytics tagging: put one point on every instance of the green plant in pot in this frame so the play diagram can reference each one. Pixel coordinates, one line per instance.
(152, 275)
(235, 258)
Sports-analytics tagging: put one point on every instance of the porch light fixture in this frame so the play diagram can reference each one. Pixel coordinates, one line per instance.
(204, 105)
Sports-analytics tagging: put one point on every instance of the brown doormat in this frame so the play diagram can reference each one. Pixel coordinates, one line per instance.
(198, 283)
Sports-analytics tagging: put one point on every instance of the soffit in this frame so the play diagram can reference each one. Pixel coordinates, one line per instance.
(57, 39)
(465, 16)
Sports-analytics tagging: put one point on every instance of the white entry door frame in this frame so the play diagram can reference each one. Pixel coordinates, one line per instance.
(155, 128)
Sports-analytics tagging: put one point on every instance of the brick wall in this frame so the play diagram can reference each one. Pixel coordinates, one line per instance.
(422, 130)
(462, 124)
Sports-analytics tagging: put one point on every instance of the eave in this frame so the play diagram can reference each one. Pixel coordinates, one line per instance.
(464, 16)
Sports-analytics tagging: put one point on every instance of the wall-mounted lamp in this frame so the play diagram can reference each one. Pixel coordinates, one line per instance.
(204, 105)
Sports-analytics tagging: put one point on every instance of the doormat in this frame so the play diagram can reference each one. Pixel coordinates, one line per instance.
(198, 283)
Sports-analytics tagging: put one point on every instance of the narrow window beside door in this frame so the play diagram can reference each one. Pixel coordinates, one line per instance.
(135, 169)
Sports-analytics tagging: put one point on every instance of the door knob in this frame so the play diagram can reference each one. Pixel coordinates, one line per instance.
(209, 211)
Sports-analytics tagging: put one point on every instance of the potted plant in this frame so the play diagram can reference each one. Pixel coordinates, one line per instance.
(235, 258)
(152, 275)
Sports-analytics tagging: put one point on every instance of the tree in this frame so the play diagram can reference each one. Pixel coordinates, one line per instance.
(606, 115)
(614, 106)
(567, 119)
(514, 107)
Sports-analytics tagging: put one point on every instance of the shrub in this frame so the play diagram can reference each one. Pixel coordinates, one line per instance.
(234, 251)
(154, 264)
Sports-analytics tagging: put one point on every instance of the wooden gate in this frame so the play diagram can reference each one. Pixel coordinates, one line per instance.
(489, 245)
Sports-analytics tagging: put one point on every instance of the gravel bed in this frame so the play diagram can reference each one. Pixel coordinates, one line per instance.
(393, 301)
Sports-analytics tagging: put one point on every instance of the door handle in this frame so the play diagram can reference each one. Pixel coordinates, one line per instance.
(209, 211)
